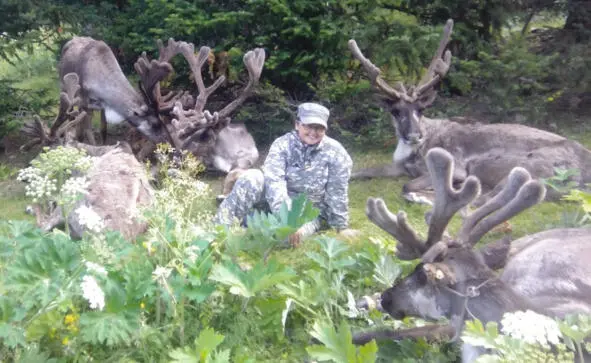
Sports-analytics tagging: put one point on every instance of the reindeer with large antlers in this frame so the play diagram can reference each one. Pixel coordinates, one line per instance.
(455, 281)
(177, 117)
(486, 151)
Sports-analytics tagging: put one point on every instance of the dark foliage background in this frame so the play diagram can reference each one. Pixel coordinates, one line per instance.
(503, 71)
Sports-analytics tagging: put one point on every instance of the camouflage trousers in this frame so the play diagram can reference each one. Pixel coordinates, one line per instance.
(247, 195)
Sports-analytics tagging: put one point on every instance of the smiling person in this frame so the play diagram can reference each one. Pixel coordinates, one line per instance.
(306, 161)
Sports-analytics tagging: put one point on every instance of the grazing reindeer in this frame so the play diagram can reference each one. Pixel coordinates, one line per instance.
(177, 118)
(118, 184)
(547, 272)
(489, 152)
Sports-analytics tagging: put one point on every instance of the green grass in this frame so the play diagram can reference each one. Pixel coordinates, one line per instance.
(13, 200)
(541, 217)
(538, 218)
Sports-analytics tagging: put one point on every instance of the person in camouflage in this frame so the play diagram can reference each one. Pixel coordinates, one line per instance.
(306, 161)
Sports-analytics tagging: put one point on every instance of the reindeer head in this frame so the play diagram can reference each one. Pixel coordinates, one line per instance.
(407, 105)
(448, 266)
(188, 125)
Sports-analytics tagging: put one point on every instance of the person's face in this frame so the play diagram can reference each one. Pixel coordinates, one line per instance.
(310, 134)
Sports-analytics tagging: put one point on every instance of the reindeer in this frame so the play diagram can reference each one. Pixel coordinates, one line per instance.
(118, 184)
(489, 152)
(547, 272)
(176, 117)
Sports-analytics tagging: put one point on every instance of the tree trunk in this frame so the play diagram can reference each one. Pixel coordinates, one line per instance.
(578, 21)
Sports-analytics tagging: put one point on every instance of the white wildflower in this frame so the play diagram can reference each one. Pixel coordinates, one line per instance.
(90, 219)
(38, 185)
(73, 188)
(96, 268)
(192, 253)
(161, 273)
(352, 311)
(92, 292)
(201, 188)
(84, 163)
(531, 327)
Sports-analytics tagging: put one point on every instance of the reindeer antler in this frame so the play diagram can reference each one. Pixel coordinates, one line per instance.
(68, 116)
(190, 124)
(439, 64)
(374, 74)
(438, 67)
(447, 202)
(190, 121)
(253, 61)
(519, 193)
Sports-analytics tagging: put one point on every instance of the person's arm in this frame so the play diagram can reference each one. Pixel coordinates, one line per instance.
(336, 196)
(274, 170)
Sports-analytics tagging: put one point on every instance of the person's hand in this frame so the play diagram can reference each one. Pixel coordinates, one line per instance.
(295, 239)
(349, 233)
(303, 232)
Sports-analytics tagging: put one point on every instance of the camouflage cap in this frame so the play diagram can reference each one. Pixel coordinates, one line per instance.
(313, 113)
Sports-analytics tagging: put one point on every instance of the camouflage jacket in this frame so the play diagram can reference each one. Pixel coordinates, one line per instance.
(320, 171)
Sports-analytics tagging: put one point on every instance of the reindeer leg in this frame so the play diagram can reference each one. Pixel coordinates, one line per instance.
(84, 129)
(103, 127)
(390, 170)
(435, 332)
(411, 190)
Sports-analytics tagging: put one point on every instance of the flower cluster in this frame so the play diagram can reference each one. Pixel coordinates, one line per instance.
(50, 175)
(95, 268)
(90, 219)
(62, 160)
(39, 186)
(72, 189)
(161, 273)
(531, 327)
(92, 292)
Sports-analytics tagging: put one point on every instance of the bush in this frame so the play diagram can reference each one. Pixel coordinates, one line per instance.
(27, 87)
(510, 83)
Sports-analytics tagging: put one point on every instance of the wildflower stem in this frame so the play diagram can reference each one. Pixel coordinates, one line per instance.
(53, 304)
(158, 303)
(182, 321)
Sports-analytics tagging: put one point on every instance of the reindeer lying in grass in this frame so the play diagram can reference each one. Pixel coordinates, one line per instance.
(547, 272)
(488, 152)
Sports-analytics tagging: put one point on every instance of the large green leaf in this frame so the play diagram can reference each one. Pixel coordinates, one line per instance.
(108, 328)
(248, 283)
(338, 345)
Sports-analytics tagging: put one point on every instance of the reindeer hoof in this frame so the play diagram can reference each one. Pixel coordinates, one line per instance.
(415, 198)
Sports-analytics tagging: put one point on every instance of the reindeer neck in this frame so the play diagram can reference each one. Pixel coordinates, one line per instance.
(432, 129)
(494, 298)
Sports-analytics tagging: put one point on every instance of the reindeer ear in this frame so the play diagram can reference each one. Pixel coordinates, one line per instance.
(439, 273)
(427, 98)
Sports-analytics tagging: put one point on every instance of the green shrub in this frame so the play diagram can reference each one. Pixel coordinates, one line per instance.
(509, 83)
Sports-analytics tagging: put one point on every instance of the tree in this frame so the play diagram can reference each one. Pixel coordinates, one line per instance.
(578, 21)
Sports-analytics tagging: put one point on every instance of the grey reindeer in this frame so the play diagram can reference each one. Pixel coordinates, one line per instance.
(547, 272)
(488, 151)
(177, 117)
